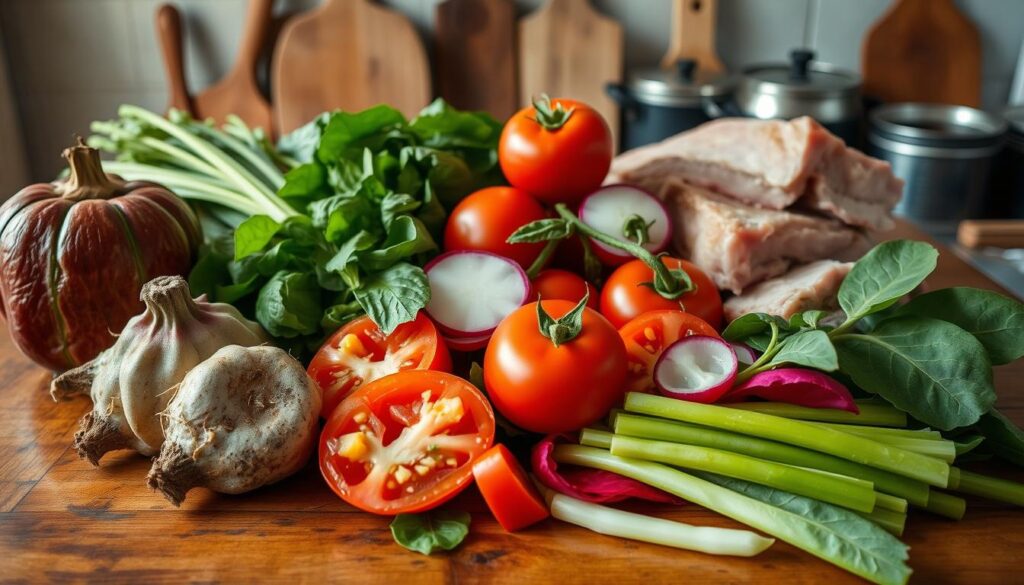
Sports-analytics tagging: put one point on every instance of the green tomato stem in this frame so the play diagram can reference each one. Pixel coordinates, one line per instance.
(542, 259)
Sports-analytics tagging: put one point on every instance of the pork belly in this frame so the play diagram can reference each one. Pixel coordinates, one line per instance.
(771, 164)
(738, 245)
(811, 286)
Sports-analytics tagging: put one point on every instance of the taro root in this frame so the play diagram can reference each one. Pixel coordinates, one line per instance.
(74, 255)
(242, 419)
(131, 382)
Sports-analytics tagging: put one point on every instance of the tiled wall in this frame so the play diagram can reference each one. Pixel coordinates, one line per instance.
(73, 61)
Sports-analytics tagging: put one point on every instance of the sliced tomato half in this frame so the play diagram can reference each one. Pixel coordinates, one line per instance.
(508, 491)
(360, 353)
(646, 337)
(406, 442)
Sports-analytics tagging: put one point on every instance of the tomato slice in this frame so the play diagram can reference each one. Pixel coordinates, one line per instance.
(406, 442)
(509, 494)
(360, 353)
(648, 334)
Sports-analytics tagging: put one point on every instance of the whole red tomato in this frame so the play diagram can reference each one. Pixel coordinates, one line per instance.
(557, 150)
(486, 218)
(554, 284)
(624, 295)
(548, 388)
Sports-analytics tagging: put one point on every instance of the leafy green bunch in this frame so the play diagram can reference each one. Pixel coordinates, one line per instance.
(931, 357)
(372, 188)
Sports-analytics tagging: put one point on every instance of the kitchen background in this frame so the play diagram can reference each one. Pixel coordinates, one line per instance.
(69, 62)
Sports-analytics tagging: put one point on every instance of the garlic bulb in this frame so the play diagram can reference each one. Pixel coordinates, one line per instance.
(131, 382)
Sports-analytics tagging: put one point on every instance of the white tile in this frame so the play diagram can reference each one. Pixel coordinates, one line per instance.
(840, 28)
(69, 45)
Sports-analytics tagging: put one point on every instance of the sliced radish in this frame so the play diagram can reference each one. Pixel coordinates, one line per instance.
(466, 343)
(472, 291)
(607, 210)
(744, 355)
(696, 368)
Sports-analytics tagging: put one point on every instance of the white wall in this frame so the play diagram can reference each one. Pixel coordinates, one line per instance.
(73, 61)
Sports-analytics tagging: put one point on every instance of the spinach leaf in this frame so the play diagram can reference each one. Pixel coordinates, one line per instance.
(254, 234)
(811, 349)
(396, 204)
(807, 319)
(968, 443)
(541, 230)
(441, 126)
(300, 144)
(995, 320)
(304, 181)
(348, 133)
(407, 237)
(289, 304)
(433, 531)
(834, 534)
(931, 369)
(394, 296)
(1002, 437)
(753, 324)
(886, 273)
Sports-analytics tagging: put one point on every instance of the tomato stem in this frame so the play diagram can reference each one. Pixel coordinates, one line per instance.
(550, 118)
(668, 283)
(549, 248)
(636, 229)
(565, 328)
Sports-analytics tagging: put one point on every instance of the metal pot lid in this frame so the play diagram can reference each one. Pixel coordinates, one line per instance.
(801, 77)
(682, 84)
(938, 125)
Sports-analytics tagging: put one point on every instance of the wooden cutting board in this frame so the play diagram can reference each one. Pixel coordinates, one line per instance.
(693, 35)
(567, 49)
(923, 51)
(169, 32)
(348, 54)
(475, 55)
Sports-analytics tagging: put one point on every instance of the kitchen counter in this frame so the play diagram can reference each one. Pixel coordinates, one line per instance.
(63, 520)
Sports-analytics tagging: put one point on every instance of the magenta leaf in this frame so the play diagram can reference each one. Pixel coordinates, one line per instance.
(808, 388)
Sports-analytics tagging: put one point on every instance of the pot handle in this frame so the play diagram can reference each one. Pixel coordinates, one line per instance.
(726, 109)
(621, 96)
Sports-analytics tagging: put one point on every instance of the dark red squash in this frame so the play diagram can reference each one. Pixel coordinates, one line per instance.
(74, 255)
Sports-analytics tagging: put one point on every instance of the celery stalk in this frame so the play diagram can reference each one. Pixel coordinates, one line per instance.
(873, 432)
(842, 491)
(954, 478)
(596, 438)
(894, 522)
(613, 522)
(870, 414)
(938, 448)
(899, 461)
(946, 505)
(879, 557)
(992, 488)
(644, 427)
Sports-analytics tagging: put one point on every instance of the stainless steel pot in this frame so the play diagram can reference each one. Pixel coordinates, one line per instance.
(658, 103)
(944, 153)
(802, 87)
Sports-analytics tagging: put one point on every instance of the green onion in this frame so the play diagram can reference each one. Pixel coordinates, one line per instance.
(878, 433)
(993, 488)
(605, 520)
(632, 425)
(870, 414)
(946, 505)
(834, 489)
(901, 462)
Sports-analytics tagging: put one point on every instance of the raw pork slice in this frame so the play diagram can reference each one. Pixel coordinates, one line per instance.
(811, 286)
(738, 245)
(770, 164)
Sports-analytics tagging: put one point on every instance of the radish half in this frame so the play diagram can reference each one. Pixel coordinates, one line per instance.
(472, 291)
(607, 209)
(744, 355)
(696, 368)
(466, 343)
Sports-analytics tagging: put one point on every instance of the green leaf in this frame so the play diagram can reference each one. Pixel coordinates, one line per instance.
(394, 296)
(751, 324)
(541, 230)
(254, 234)
(886, 273)
(1002, 437)
(931, 369)
(337, 315)
(289, 305)
(396, 204)
(430, 532)
(432, 213)
(304, 181)
(347, 133)
(995, 320)
(836, 534)
(441, 126)
(812, 349)
(301, 143)
(968, 443)
(806, 320)
(209, 270)
(407, 236)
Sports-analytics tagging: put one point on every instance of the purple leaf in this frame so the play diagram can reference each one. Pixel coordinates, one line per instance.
(808, 388)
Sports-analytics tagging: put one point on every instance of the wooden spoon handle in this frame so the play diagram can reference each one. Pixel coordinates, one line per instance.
(975, 233)
(258, 20)
(169, 31)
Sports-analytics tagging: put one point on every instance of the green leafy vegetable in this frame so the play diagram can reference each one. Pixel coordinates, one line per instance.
(253, 234)
(812, 349)
(432, 531)
(541, 231)
(886, 273)
(394, 296)
(931, 369)
(289, 304)
(995, 320)
(1004, 438)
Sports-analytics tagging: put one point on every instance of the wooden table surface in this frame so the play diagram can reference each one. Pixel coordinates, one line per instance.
(63, 520)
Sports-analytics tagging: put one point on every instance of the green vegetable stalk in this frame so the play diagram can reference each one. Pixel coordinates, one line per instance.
(870, 414)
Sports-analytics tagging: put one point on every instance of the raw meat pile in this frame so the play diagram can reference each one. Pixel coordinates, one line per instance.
(762, 201)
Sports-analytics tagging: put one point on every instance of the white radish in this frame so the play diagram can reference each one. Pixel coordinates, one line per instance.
(744, 355)
(696, 368)
(244, 418)
(609, 208)
(471, 292)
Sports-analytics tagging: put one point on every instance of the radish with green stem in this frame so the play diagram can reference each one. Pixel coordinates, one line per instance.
(698, 368)
(629, 214)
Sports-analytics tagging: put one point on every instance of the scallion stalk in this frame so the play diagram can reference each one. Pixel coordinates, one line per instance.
(851, 447)
(880, 432)
(870, 414)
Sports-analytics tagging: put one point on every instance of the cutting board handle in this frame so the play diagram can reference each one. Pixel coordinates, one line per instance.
(169, 32)
(693, 35)
(258, 20)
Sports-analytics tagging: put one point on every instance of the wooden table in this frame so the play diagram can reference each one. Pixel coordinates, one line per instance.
(63, 520)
